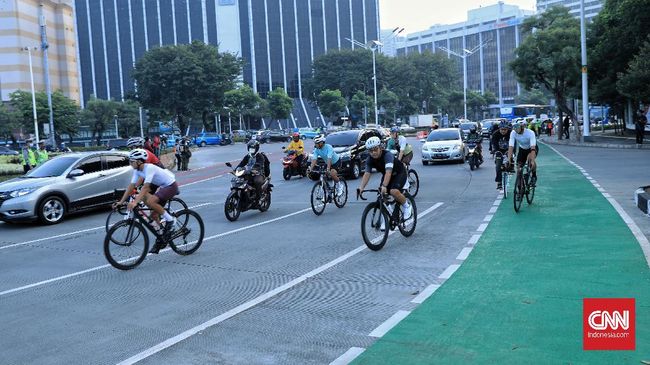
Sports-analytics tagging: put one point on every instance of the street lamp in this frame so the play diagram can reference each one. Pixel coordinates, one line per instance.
(466, 53)
(585, 90)
(31, 75)
(117, 135)
(371, 46)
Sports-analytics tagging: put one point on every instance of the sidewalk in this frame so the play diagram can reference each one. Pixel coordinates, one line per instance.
(600, 140)
(517, 299)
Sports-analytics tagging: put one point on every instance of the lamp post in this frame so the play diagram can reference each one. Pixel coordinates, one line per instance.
(466, 53)
(585, 81)
(372, 46)
(31, 75)
(117, 134)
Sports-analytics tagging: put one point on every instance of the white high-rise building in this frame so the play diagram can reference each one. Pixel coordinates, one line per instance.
(592, 7)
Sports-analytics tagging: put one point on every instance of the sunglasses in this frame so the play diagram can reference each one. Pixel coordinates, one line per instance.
(374, 149)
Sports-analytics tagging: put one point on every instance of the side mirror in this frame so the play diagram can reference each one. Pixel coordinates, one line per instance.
(76, 173)
(228, 164)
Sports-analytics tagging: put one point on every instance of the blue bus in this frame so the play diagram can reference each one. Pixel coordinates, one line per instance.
(525, 110)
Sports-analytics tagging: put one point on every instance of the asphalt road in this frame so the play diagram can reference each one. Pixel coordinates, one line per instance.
(280, 287)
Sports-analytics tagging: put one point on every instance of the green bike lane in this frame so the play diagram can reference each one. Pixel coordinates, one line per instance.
(518, 297)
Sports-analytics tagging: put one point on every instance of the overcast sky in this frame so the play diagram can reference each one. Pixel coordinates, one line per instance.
(417, 15)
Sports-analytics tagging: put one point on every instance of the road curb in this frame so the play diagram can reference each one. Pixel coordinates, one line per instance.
(598, 145)
(642, 199)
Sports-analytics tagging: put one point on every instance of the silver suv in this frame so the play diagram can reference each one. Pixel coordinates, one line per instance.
(67, 183)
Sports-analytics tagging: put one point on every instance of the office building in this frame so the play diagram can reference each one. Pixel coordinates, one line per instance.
(592, 7)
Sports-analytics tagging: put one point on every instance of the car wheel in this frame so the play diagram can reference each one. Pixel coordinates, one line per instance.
(51, 210)
(203, 144)
(425, 163)
(303, 137)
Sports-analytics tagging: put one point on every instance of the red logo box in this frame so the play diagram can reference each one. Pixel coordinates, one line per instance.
(608, 324)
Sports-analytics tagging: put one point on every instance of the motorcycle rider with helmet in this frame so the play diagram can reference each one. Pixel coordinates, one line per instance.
(398, 143)
(297, 145)
(499, 146)
(474, 136)
(256, 161)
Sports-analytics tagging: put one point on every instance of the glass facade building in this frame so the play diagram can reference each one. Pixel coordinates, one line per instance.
(277, 39)
(592, 7)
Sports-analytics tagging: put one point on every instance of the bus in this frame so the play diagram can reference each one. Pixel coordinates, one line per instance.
(525, 110)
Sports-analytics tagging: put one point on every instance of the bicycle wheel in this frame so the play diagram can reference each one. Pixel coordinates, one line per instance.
(530, 192)
(187, 238)
(318, 199)
(407, 226)
(115, 216)
(340, 201)
(374, 226)
(126, 244)
(175, 205)
(504, 183)
(414, 183)
(518, 193)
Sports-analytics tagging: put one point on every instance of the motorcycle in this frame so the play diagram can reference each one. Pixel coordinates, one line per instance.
(291, 166)
(225, 140)
(243, 195)
(473, 155)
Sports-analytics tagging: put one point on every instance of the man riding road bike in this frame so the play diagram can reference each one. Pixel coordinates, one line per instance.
(527, 149)
(499, 146)
(327, 154)
(399, 144)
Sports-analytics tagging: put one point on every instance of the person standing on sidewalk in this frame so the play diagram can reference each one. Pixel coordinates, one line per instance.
(177, 153)
(28, 157)
(566, 124)
(641, 121)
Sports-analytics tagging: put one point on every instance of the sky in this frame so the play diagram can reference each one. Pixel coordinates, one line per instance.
(417, 15)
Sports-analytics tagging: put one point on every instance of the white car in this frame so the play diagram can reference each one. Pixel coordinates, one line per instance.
(444, 145)
(406, 128)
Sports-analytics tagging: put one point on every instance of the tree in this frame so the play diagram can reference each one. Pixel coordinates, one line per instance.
(361, 102)
(64, 109)
(331, 103)
(635, 82)
(346, 70)
(99, 114)
(388, 100)
(280, 104)
(128, 118)
(243, 101)
(532, 96)
(9, 123)
(185, 80)
(477, 102)
(550, 56)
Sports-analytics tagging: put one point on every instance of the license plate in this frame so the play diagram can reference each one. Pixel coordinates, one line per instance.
(439, 155)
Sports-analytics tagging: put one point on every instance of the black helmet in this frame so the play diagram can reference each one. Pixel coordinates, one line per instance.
(472, 129)
(253, 144)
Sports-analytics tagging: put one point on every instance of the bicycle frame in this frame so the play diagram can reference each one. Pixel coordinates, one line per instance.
(385, 201)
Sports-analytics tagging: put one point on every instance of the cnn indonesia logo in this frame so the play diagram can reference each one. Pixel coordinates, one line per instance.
(608, 324)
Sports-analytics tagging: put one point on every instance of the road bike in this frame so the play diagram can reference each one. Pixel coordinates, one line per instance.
(383, 215)
(324, 191)
(523, 187)
(500, 160)
(119, 213)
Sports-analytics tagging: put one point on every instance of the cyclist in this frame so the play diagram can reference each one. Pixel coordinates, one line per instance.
(326, 152)
(499, 145)
(398, 143)
(297, 145)
(527, 148)
(256, 161)
(167, 188)
(474, 136)
(393, 173)
(138, 142)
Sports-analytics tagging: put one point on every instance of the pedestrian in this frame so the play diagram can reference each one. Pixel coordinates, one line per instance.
(41, 155)
(640, 123)
(177, 153)
(566, 124)
(156, 145)
(27, 157)
(163, 142)
(185, 154)
(147, 145)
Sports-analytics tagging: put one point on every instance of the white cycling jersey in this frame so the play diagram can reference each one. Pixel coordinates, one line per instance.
(525, 140)
(153, 174)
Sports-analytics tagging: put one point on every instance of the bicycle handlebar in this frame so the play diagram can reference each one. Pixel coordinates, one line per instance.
(360, 193)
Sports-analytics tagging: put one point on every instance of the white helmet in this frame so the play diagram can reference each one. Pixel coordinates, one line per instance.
(138, 154)
(135, 142)
(372, 142)
(319, 139)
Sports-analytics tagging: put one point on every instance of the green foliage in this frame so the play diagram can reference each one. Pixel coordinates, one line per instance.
(532, 96)
(10, 121)
(279, 104)
(360, 101)
(65, 112)
(550, 56)
(243, 100)
(635, 82)
(389, 101)
(346, 70)
(99, 115)
(185, 80)
(331, 103)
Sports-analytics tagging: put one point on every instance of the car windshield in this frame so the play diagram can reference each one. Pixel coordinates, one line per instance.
(487, 124)
(443, 136)
(342, 139)
(53, 167)
(467, 126)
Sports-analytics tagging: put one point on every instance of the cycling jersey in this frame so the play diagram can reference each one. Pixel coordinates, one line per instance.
(524, 140)
(385, 162)
(401, 146)
(500, 141)
(152, 159)
(153, 174)
(327, 152)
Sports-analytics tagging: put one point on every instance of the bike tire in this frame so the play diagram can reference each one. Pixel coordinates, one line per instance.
(184, 230)
(318, 203)
(405, 230)
(114, 217)
(530, 193)
(134, 229)
(340, 201)
(232, 208)
(518, 193)
(414, 182)
(370, 212)
(174, 205)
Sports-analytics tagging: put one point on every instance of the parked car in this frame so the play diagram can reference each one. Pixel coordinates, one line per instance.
(350, 146)
(240, 133)
(405, 128)
(7, 151)
(445, 144)
(207, 138)
(308, 133)
(266, 136)
(65, 184)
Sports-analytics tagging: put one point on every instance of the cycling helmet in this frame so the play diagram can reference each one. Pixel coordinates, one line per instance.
(135, 142)
(472, 129)
(372, 142)
(503, 124)
(521, 123)
(138, 154)
(319, 139)
(253, 145)
(394, 129)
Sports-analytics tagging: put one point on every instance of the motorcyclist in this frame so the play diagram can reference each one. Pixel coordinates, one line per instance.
(499, 145)
(256, 161)
(398, 143)
(297, 145)
(475, 137)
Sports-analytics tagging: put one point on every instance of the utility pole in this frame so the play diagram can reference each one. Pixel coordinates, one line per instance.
(586, 121)
(31, 75)
(46, 70)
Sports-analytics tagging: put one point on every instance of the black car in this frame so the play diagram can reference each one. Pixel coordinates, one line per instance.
(266, 136)
(350, 146)
(7, 151)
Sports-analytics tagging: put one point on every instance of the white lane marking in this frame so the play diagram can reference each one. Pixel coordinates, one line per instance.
(449, 271)
(203, 180)
(462, 256)
(607, 195)
(52, 280)
(638, 234)
(496, 202)
(488, 218)
(348, 356)
(255, 225)
(597, 185)
(245, 306)
(493, 210)
(388, 324)
(474, 239)
(482, 227)
(424, 294)
(75, 232)
(601, 190)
